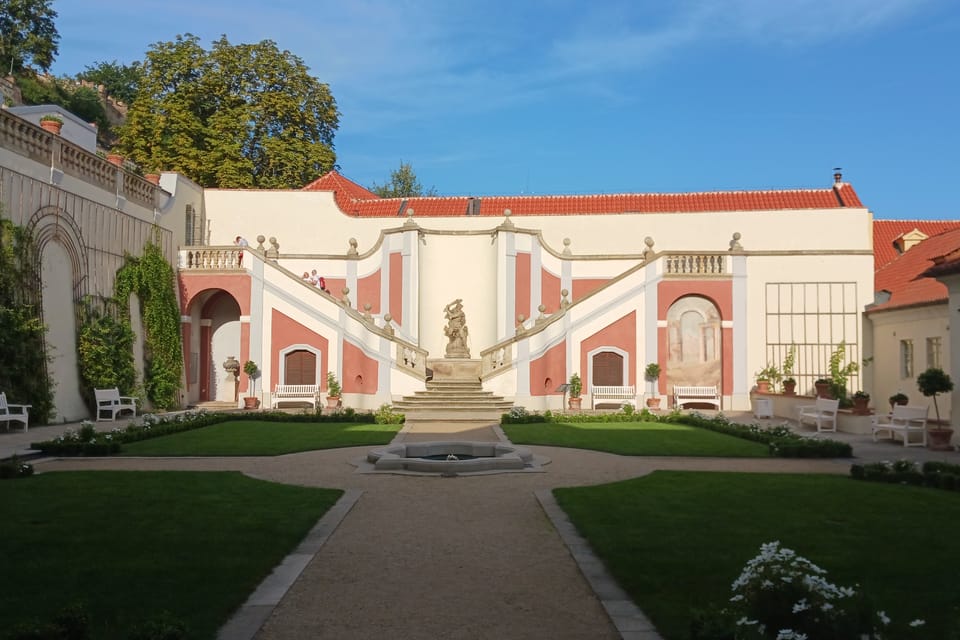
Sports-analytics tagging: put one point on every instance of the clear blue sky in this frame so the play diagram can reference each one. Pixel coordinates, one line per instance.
(570, 97)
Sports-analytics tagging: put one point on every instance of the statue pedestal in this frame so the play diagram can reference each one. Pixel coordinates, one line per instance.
(454, 369)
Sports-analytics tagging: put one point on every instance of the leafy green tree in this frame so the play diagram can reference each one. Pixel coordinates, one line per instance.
(27, 34)
(237, 116)
(120, 80)
(403, 184)
(23, 374)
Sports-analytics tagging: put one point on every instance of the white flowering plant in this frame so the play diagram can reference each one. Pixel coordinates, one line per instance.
(781, 595)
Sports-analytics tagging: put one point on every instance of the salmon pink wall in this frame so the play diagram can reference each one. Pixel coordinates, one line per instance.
(335, 287)
(621, 334)
(522, 293)
(720, 293)
(584, 286)
(552, 365)
(287, 331)
(396, 288)
(237, 285)
(368, 291)
(549, 291)
(359, 371)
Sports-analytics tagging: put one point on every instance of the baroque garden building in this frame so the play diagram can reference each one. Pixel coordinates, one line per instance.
(712, 286)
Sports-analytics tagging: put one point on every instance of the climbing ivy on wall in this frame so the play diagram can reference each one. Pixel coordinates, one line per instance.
(105, 349)
(23, 361)
(151, 277)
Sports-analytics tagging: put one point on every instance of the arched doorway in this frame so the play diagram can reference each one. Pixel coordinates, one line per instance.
(693, 343)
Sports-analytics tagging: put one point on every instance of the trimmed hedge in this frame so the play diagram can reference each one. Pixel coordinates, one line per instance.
(783, 442)
(89, 442)
(939, 475)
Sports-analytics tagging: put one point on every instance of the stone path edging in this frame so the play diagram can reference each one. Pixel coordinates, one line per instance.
(630, 622)
(246, 622)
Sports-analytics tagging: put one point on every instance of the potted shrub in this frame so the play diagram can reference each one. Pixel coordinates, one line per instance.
(932, 382)
(333, 391)
(898, 398)
(576, 388)
(51, 122)
(251, 401)
(789, 382)
(767, 378)
(823, 387)
(861, 400)
(652, 374)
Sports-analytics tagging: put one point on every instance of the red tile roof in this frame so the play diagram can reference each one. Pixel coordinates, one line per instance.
(905, 277)
(886, 233)
(357, 201)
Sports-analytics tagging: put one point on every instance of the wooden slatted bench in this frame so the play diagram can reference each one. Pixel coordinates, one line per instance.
(110, 403)
(607, 393)
(684, 394)
(10, 413)
(903, 420)
(296, 393)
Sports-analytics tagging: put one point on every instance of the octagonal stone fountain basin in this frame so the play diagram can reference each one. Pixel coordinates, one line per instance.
(451, 457)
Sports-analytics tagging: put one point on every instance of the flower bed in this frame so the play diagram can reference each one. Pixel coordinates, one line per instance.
(940, 475)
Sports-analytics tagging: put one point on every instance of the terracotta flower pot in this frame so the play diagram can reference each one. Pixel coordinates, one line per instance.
(251, 402)
(52, 126)
(860, 407)
(939, 439)
(653, 403)
(823, 390)
(763, 386)
(574, 404)
(790, 388)
(333, 402)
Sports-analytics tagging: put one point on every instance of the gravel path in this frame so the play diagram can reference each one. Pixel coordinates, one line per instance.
(431, 557)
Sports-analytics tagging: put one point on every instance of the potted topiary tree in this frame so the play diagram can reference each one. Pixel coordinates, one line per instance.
(576, 388)
(767, 378)
(333, 391)
(652, 374)
(932, 382)
(251, 401)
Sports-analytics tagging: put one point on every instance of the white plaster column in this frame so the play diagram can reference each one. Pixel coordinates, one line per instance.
(741, 378)
(410, 295)
(507, 283)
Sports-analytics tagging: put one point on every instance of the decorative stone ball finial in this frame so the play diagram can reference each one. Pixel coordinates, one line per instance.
(353, 247)
(735, 242)
(260, 241)
(566, 246)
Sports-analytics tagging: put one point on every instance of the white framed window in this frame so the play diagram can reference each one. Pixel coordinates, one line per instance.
(906, 358)
(933, 352)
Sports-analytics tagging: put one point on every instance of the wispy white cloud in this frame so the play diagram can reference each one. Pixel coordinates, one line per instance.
(392, 62)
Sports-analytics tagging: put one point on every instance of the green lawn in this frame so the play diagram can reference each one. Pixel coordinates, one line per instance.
(130, 545)
(255, 438)
(636, 439)
(677, 540)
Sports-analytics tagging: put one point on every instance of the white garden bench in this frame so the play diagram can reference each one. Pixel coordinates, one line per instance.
(296, 393)
(904, 420)
(823, 414)
(110, 403)
(13, 412)
(683, 394)
(608, 393)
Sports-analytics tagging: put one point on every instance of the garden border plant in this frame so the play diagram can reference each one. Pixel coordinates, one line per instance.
(935, 474)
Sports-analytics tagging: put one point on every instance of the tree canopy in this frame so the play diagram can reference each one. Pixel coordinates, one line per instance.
(236, 116)
(27, 34)
(403, 184)
(120, 80)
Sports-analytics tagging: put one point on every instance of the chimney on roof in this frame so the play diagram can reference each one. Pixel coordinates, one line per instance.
(837, 176)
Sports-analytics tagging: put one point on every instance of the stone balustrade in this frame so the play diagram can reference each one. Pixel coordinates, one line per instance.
(225, 258)
(27, 139)
(714, 264)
